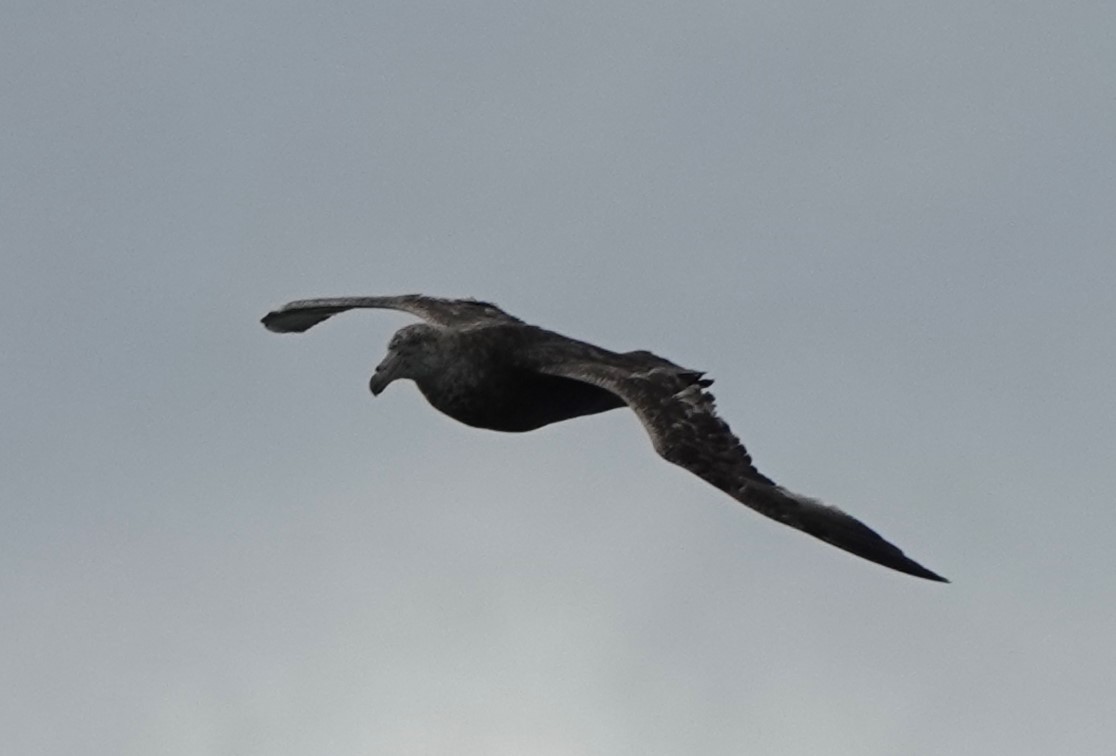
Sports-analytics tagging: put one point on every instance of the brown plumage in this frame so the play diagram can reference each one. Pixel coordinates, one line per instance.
(488, 369)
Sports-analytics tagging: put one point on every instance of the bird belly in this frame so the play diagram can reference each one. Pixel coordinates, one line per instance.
(523, 403)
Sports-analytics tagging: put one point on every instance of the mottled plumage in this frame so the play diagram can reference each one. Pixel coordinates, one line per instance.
(488, 369)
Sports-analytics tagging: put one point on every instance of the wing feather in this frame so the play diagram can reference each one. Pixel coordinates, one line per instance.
(681, 419)
(303, 314)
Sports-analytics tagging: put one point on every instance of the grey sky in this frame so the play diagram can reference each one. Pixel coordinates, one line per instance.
(886, 229)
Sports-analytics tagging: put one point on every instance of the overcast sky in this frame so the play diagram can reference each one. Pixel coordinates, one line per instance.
(886, 229)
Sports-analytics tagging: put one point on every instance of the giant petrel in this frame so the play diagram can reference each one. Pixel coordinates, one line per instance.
(488, 369)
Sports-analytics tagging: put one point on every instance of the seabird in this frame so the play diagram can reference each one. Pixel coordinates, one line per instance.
(488, 369)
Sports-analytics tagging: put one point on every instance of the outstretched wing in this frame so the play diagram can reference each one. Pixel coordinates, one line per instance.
(302, 314)
(680, 416)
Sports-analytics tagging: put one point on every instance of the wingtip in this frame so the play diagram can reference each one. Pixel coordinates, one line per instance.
(281, 321)
(917, 570)
(270, 321)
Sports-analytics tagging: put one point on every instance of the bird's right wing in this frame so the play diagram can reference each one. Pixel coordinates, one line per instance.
(302, 314)
(680, 417)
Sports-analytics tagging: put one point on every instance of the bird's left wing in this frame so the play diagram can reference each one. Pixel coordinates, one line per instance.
(303, 314)
(681, 419)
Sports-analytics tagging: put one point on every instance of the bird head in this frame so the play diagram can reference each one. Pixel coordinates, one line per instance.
(411, 354)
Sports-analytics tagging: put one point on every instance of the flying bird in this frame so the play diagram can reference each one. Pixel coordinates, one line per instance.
(488, 369)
